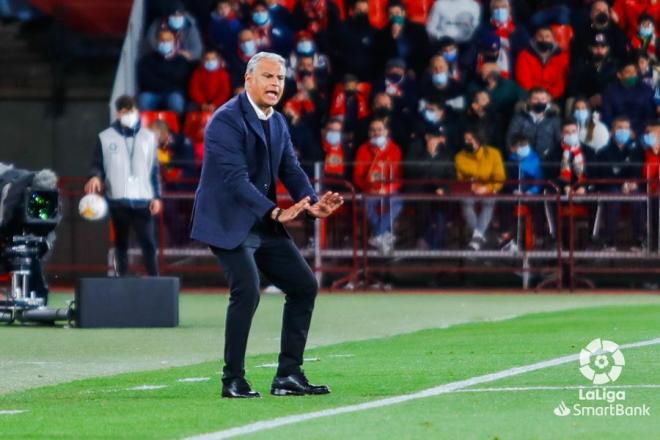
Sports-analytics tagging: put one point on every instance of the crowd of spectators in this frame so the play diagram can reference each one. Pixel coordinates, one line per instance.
(379, 91)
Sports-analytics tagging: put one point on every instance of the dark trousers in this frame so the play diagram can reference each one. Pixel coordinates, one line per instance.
(124, 218)
(276, 256)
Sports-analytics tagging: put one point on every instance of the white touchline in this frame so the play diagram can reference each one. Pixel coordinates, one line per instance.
(11, 412)
(553, 388)
(430, 392)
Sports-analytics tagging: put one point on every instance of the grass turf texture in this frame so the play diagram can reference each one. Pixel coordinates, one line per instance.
(383, 367)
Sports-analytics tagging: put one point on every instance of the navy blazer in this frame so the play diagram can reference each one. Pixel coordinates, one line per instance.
(236, 173)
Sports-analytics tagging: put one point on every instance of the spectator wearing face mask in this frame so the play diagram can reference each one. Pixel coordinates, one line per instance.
(543, 64)
(210, 86)
(429, 162)
(399, 86)
(480, 114)
(354, 46)
(434, 115)
(482, 167)
(187, 40)
(399, 124)
(629, 97)
(537, 119)
(125, 169)
(593, 133)
(403, 39)
(527, 169)
(305, 57)
(378, 171)
(504, 93)
(645, 41)
(460, 60)
(163, 77)
(270, 36)
(651, 173)
(592, 74)
(224, 27)
(350, 102)
(336, 157)
(620, 161)
(503, 37)
(600, 22)
(437, 85)
(629, 11)
(237, 63)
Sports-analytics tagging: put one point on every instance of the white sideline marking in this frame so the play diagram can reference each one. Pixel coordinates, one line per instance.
(194, 379)
(551, 388)
(10, 412)
(146, 388)
(347, 355)
(430, 392)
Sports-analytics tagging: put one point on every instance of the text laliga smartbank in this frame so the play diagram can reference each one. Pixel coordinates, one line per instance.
(611, 397)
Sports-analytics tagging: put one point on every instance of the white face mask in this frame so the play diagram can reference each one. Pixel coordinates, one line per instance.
(379, 141)
(130, 119)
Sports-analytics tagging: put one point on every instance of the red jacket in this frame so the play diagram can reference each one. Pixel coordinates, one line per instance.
(338, 106)
(651, 171)
(630, 10)
(335, 162)
(531, 72)
(378, 171)
(210, 87)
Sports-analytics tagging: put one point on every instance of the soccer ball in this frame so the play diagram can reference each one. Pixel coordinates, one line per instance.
(93, 207)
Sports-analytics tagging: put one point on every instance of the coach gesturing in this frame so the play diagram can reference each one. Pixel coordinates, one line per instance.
(247, 145)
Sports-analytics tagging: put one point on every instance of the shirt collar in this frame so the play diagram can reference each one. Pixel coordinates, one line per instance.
(260, 113)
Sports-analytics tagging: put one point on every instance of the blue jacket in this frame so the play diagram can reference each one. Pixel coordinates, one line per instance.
(236, 173)
(635, 102)
(529, 168)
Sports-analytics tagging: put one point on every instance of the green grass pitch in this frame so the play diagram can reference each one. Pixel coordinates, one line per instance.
(366, 366)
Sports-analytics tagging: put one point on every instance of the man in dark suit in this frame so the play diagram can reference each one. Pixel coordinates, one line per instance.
(247, 145)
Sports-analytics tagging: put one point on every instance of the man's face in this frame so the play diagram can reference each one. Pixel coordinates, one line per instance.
(539, 98)
(619, 125)
(439, 65)
(627, 72)
(245, 36)
(333, 126)
(569, 130)
(361, 7)
(544, 35)
(124, 111)
(481, 100)
(433, 142)
(599, 7)
(266, 83)
(223, 9)
(211, 56)
(396, 11)
(165, 37)
(306, 63)
(377, 128)
(383, 101)
(600, 51)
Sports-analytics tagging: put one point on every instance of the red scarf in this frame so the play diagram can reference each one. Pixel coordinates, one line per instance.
(572, 163)
(503, 31)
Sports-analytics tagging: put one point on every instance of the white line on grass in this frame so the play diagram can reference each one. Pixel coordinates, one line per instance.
(430, 392)
(11, 412)
(194, 379)
(146, 388)
(551, 388)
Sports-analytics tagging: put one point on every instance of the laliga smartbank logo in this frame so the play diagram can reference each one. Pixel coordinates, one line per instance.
(601, 362)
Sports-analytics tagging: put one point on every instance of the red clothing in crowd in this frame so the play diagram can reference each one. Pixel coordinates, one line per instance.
(378, 171)
(629, 11)
(335, 163)
(338, 107)
(531, 72)
(651, 170)
(418, 10)
(210, 87)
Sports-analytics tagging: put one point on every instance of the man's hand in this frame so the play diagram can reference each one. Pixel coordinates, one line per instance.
(93, 185)
(286, 215)
(480, 189)
(328, 204)
(155, 206)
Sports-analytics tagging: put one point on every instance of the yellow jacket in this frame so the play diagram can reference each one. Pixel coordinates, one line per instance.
(485, 166)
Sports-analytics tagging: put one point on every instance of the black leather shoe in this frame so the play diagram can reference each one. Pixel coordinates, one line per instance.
(238, 389)
(295, 385)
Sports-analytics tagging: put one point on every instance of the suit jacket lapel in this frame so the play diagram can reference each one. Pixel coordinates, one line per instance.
(252, 119)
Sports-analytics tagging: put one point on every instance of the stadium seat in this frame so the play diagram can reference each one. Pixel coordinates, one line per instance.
(149, 116)
(194, 125)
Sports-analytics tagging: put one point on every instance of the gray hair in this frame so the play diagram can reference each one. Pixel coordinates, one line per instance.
(258, 57)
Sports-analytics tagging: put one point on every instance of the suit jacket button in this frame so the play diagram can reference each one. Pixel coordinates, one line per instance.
(266, 187)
